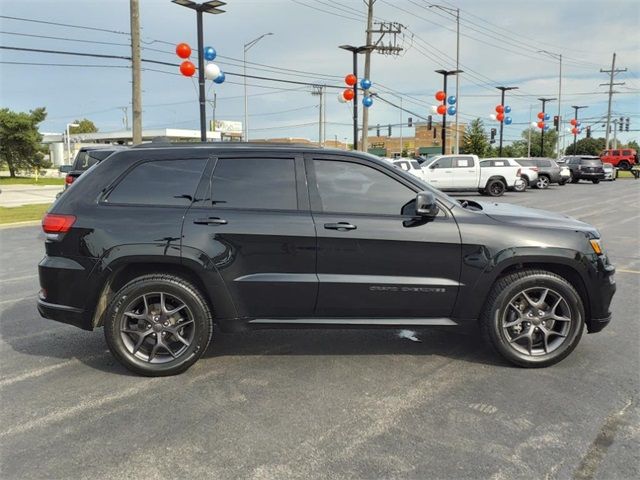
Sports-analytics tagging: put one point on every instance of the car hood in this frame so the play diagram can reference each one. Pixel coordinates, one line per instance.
(533, 217)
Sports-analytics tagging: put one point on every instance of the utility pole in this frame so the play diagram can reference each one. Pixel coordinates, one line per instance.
(611, 83)
(247, 47)
(355, 51)
(615, 134)
(136, 77)
(318, 90)
(559, 57)
(443, 134)
(125, 117)
(213, 112)
(530, 128)
(544, 103)
(575, 117)
(502, 90)
(401, 125)
(367, 73)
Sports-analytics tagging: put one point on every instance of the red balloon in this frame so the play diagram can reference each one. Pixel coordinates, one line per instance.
(500, 109)
(183, 50)
(574, 130)
(348, 94)
(500, 116)
(540, 125)
(540, 115)
(442, 109)
(573, 122)
(187, 68)
(351, 81)
(440, 96)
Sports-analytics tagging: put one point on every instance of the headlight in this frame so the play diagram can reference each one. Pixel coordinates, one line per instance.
(596, 244)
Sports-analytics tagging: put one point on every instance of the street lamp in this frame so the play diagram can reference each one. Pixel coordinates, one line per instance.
(445, 74)
(575, 117)
(200, 8)
(559, 57)
(247, 47)
(355, 51)
(456, 13)
(544, 102)
(503, 89)
(69, 141)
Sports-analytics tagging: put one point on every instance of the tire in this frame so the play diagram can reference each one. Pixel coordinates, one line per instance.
(137, 308)
(523, 343)
(562, 182)
(596, 181)
(542, 183)
(495, 188)
(624, 165)
(522, 186)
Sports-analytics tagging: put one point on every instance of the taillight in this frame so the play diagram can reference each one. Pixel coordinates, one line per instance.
(52, 223)
(69, 179)
(519, 172)
(535, 169)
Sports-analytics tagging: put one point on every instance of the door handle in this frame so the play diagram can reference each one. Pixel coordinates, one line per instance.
(339, 226)
(210, 221)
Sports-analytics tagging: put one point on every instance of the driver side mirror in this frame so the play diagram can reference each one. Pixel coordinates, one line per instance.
(435, 165)
(426, 205)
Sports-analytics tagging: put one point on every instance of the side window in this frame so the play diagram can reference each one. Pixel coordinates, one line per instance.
(615, 153)
(255, 183)
(487, 163)
(443, 163)
(403, 165)
(463, 162)
(626, 153)
(545, 163)
(163, 182)
(345, 187)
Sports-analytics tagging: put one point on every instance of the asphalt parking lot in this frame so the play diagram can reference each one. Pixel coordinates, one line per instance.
(327, 404)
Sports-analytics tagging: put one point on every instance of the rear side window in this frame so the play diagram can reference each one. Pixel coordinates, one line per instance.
(626, 152)
(463, 162)
(255, 183)
(415, 164)
(165, 182)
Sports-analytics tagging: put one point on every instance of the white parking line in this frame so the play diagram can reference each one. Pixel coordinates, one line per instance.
(16, 300)
(16, 279)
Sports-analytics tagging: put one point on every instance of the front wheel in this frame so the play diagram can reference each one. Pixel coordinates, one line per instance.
(158, 325)
(596, 181)
(495, 188)
(521, 186)
(533, 318)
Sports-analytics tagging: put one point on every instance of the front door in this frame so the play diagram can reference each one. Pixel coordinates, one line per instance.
(254, 227)
(439, 173)
(374, 259)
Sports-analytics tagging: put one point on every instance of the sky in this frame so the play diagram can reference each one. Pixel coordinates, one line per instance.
(500, 44)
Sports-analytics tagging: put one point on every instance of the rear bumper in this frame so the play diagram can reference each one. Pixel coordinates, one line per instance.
(590, 175)
(64, 314)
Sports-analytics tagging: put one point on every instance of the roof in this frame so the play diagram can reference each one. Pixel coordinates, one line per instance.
(226, 145)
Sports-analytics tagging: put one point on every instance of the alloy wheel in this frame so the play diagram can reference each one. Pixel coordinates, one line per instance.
(157, 327)
(537, 321)
(543, 182)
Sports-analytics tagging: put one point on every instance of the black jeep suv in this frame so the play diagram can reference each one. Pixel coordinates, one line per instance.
(159, 244)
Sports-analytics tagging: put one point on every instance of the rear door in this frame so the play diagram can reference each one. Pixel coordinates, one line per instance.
(253, 225)
(374, 259)
(465, 172)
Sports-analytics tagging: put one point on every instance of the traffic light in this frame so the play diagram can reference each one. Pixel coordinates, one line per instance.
(493, 135)
(435, 133)
(626, 124)
(389, 130)
(429, 122)
(410, 122)
(588, 132)
(556, 122)
(621, 124)
(378, 130)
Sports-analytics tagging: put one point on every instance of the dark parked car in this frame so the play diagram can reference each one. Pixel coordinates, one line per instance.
(548, 171)
(164, 246)
(85, 159)
(585, 167)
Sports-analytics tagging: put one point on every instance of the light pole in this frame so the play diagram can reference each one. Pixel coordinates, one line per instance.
(200, 8)
(247, 47)
(502, 90)
(544, 103)
(456, 13)
(355, 51)
(559, 57)
(575, 117)
(445, 74)
(69, 141)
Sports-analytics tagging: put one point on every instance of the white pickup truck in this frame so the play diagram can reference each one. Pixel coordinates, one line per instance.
(463, 172)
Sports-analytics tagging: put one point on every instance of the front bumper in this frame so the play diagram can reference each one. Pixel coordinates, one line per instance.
(603, 287)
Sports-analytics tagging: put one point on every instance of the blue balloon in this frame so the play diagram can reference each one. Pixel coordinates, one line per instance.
(546, 116)
(507, 109)
(451, 110)
(209, 53)
(452, 100)
(546, 127)
(578, 124)
(508, 120)
(220, 78)
(365, 83)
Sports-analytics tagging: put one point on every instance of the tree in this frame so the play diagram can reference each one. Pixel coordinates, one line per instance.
(85, 126)
(633, 144)
(475, 139)
(587, 146)
(20, 139)
(550, 139)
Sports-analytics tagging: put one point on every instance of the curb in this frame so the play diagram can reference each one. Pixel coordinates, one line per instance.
(29, 223)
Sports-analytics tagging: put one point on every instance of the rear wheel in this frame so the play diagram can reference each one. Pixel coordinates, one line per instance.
(521, 186)
(533, 318)
(543, 182)
(596, 180)
(495, 188)
(158, 325)
(624, 165)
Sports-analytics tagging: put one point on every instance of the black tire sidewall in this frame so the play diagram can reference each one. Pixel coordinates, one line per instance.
(499, 339)
(491, 184)
(183, 291)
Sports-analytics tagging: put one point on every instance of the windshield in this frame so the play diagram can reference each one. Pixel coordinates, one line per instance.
(527, 163)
